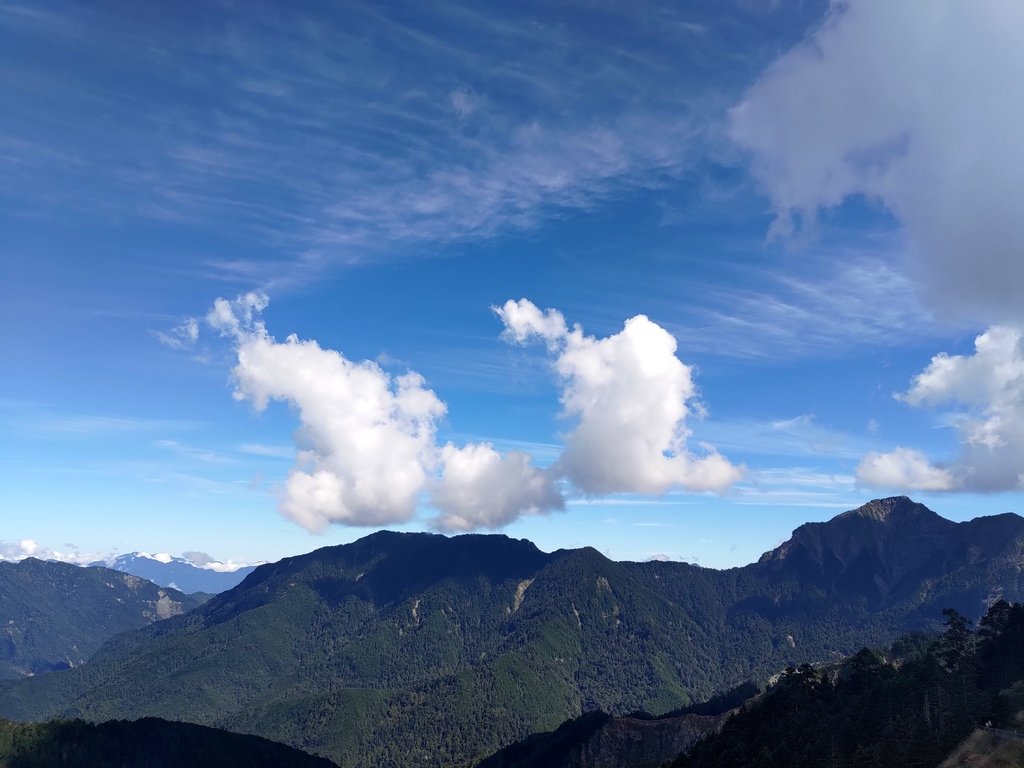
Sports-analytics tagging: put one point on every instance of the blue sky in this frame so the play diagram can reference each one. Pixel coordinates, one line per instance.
(812, 201)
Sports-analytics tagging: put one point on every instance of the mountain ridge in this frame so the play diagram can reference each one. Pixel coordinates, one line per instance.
(176, 572)
(56, 615)
(404, 646)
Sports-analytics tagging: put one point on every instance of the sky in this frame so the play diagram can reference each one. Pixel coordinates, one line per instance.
(664, 279)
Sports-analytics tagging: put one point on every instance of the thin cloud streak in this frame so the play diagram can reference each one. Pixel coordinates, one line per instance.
(864, 302)
(487, 123)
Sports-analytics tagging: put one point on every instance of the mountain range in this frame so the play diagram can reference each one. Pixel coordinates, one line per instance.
(56, 615)
(402, 648)
(190, 575)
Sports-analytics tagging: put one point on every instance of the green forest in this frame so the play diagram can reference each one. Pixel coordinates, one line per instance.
(909, 707)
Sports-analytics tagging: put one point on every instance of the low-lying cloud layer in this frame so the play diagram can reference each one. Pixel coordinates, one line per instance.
(15, 551)
(367, 446)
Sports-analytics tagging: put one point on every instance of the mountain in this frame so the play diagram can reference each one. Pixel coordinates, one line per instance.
(909, 707)
(56, 615)
(190, 576)
(404, 648)
(894, 550)
(148, 743)
(598, 740)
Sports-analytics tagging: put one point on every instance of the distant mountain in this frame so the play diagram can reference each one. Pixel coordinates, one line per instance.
(179, 573)
(148, 743)
(412, 648)
(56, 615)
(894, 550)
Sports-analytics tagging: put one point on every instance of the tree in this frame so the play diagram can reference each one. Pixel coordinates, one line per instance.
(957, 640)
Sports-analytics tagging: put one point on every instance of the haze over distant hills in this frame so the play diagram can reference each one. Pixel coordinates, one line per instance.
(402, 647)
(195, 572)
(56, 615)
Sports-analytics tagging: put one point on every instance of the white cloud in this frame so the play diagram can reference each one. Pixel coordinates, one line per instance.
(897, 102)
(524, 319)
(367, 448)
(181, 336)
(480, 488)
(15, 551)
(630, 396)
(207, 562)
(987, 390)
(903, 469)
(239, 317)
(366, 439)
(914, 105)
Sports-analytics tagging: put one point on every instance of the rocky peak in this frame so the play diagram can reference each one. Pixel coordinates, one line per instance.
(892, 510)
(887, 546)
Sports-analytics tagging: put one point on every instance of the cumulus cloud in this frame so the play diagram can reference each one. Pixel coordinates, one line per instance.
(480, 488)
(18, 550)
(524, 319)
(897, 101)
(905, 469)
(630, 396)
(986, 393)
(367, 448)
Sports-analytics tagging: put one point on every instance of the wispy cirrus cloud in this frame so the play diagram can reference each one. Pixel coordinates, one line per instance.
(302, 129)
(798, 436)
(77, 425)
(195, 453)
(848, 299)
